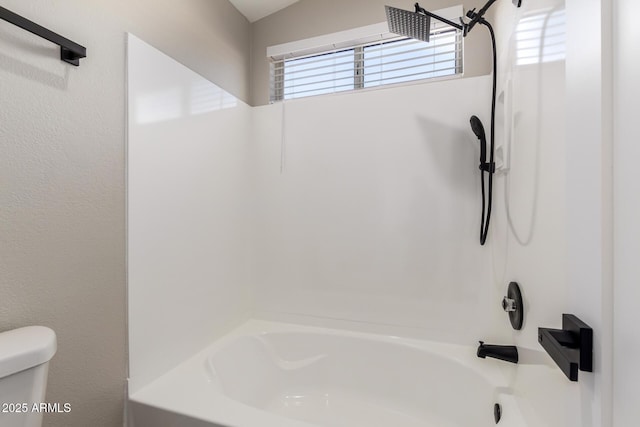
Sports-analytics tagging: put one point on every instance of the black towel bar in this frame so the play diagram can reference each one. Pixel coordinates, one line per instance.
(70, 52)
(570, 347)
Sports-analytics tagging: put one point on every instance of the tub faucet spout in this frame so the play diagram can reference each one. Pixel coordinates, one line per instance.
(508, 353)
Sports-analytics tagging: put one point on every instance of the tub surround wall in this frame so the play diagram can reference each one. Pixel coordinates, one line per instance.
(536, 196)
(532, 79)
(187, 202)
(364, 208)
(369, 210)
(62, 174)
(575, 183)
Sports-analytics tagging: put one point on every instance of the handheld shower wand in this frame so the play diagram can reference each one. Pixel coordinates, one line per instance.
(478, 130)
(417, 25)
(485, 167)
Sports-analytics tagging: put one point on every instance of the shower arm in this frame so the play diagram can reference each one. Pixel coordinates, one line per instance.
(465, 27)
(479, 16)
(439, 18)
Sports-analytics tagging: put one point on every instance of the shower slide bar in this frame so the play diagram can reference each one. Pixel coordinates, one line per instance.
(70, 52)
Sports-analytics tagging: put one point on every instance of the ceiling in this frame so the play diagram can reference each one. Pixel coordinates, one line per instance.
(258, 9)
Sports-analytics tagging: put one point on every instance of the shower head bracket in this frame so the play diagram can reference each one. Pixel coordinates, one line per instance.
(478, 17)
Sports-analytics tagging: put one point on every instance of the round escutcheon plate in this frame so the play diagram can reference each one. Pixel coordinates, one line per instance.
(516, 316)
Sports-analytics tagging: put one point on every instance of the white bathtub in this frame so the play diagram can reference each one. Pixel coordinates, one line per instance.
(267, 374)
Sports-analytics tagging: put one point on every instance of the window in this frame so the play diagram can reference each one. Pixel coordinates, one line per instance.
(317, 75)
(364, 63)
(407, 60)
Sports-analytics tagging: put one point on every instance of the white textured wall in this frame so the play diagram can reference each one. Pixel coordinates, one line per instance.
(375, 217)
(62, 177)
(188, 194)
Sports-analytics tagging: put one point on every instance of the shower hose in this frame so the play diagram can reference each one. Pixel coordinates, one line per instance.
(487, 205)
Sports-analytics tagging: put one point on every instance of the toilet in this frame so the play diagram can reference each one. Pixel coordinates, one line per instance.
(24, 363)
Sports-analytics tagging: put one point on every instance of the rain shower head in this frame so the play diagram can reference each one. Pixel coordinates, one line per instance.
(409, 24)
(416, 25)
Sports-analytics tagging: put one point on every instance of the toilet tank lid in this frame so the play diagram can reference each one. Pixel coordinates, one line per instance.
(24, 348)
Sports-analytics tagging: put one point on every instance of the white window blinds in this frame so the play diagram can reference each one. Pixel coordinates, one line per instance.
(364, 63)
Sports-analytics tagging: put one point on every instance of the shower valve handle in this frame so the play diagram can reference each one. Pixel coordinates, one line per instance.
(509, 305)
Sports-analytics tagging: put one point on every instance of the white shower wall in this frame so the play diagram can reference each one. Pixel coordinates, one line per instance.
(369, 210)
(358, 210)
(369, 207)
(533, 251)
(362, 207)
(188, 194)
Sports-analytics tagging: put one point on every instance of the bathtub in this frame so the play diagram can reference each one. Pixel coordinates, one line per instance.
(268, 374)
